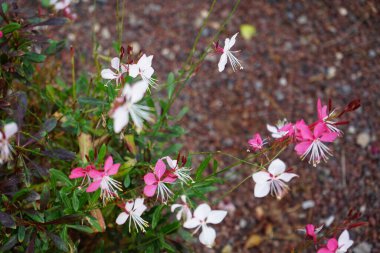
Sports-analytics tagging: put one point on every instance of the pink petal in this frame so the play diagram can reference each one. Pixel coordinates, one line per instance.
(310, 230)
(150, 179)
(302, 147)
(324, 250)
(320, 129)
(108, 163)
(169, 179)
(95, 173)
(149, 190)
(94, 186)
(306, 134)
(114, 169)
(159, 169)
(332, 244)
(329, 137)
(76, 173)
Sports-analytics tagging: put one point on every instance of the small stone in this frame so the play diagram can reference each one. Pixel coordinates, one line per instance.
(363, 139)
(351, 130)
(135, 47)
(91, 8)
(105, 33)
(302, 20)
(343, 11)
(279, 95)
(167, 53)
(259, 212)
(372, 53)
(96, 27)
(283, 81)
(308, 204)
(339, 56)
(243, 223)
(71, 36)
(331, 72)
(363, 247)
(227, 249)
(228, 142)
(258, 85)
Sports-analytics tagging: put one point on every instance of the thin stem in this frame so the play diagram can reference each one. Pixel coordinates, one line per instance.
(232, 189)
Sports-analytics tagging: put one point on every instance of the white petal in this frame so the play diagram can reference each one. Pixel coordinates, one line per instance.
(120, 119)
(183, 197)
(139, 206)
(261, 177)
(192, 223)
(226, 43)
(115, 63)
(287, 176)
(202, 211)
(108, 74)
(148, 72)
(277, 167)
(10, 129)
(145, 61)
(172, 163)
(344, 242)
(272, 129)
(232, 41)
(129, 206)
(122, 218)
(179, 214)
(216, 216)
(222, 62)
(188, 214)
(261, 190)
(134, 70)
(207, 237)
(175, 206)
(138, 91)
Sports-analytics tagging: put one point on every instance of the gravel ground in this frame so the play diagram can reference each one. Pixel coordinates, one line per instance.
(302, 50)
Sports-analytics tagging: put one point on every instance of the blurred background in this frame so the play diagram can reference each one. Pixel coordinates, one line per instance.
(293, 53)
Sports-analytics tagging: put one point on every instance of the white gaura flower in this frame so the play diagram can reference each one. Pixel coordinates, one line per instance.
(203, 215)
(5, 148)
(181, 172)
(275, 130)
(183, 210)
(133, 210)
(60, 4)
(273, 180)
(126, 105)
(144, 69)
(344, 242)
(226, 53)
(109, 74)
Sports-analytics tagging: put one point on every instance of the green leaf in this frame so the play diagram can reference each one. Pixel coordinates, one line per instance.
(102, 154)
(202, 167)
(81, 228)
(54, 47)
(59, 175)
(75, 201)
(94, 222)
(58, 242)
(11, 27)
(127, 181)
(9, 244)
(156, 216)
(34, 57)
(171, 84)
(91, 101)
(7, 220)
(21, 233)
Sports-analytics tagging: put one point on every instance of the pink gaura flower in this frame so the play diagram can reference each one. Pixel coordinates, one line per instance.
(337, 246)
(257, 142)
(281, 129)
(312, 142)
(323, 117)
(311, 232)
(82, 172)
(1, 34)
(102, 180)
(158, 180)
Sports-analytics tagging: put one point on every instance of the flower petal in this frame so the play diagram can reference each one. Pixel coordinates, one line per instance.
(192, 223)
(272, 129)
(134, 70)
(150, 190)
(216, 216)
(114, 169)
(301, 148)
(159, 169)
(277, 167)
(129, 205)
(320, 129)
(222, 62)
(261, 189)
(344, 241)
(95, 174)
(115, 63)
(329, 137)
(108, 164)
(332, 244)
(76, 173)
(138, 91)
(10, 129)
(108, 74)
(150, 179)
(207, 236)
(232, 41)
(324, 250)
(120, 119)
(175, 206)
(202, 211)
(287, 176)
(122, 218)
(93, 186)
(169, 179)
(261, 177)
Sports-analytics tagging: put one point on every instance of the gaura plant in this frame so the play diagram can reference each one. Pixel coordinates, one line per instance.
(90, 164)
